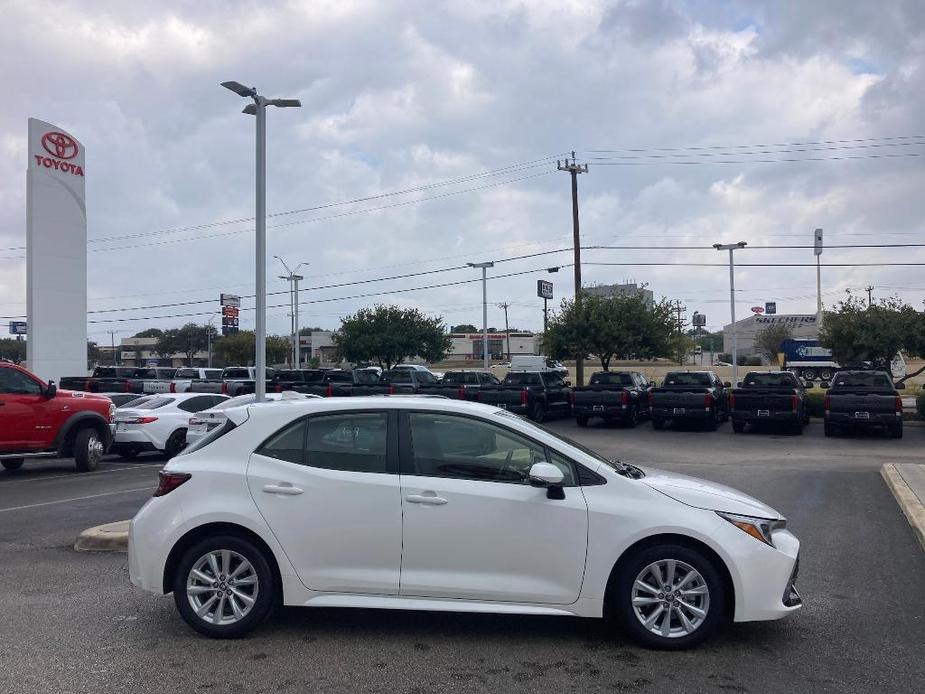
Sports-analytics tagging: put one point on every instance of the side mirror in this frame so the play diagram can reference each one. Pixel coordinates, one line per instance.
(727, 384)
(50, 390)
(545, 475)
(900, 386)
(823, 384)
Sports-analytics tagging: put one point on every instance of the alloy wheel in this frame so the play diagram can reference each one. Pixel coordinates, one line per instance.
(95, 449)
(222, 587)
(670, 598)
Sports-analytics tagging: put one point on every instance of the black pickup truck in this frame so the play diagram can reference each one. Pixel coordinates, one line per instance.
(777, 397)
(236, 380)
(403, 380)
(335, 383)
(120, 379)
(612, 395)
(460, 385)
(537, 394)
(863, 399)
(694, 396)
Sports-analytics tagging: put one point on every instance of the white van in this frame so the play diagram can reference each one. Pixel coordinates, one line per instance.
(537, 362)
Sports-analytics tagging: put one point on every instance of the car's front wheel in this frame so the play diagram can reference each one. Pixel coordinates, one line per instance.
(14, 464)
(88, 450)
(669, 597)
(223, 586)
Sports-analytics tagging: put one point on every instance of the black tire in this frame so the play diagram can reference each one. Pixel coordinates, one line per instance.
(712, 424)
(658, 423)
(796, 428)
(829, 429)
(808, 374)
(538, 413)
(88, 449)
(581, 420)
(11, 464)
(175, 443)
(633, 419)
(621, 597)
(738, 427)
(825, 374)
(265, 590)
(896, 431)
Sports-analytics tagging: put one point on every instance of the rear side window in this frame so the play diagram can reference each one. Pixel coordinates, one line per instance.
(197, 404)
(154, 403)
(351, 442)
(186, 373)
(287, 444)
(235, 373)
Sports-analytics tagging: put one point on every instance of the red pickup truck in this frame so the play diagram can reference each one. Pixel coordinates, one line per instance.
(39, 421)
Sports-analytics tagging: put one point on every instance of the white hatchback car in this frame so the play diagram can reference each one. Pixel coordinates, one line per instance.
(157, 423)
(433, 504)
(201, 424)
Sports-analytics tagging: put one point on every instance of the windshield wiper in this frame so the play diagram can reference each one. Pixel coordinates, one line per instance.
(627, 470)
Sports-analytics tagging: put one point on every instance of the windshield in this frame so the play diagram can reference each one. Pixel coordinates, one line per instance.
(236, 373)
(770, 379)
(612, 379)
(687, 379)
(522, 379)
(153, 404)
(367, 376)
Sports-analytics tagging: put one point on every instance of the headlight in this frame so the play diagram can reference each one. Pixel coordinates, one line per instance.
(758, 528)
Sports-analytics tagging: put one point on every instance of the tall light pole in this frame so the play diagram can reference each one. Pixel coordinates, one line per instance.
(259, 109)
(732, 302)
(817, 250)
(293, 279)
(209, 336)
(484, 267)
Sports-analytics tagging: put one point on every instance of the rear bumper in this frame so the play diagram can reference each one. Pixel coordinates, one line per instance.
(874, 420)
(608, 411)
(516, 409)
(137, 439)
(689, 413)
(779, 416)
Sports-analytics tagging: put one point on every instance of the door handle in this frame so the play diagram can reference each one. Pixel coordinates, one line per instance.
(426, 499)
(284, 489)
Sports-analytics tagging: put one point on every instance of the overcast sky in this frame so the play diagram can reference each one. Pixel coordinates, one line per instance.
(400, 95)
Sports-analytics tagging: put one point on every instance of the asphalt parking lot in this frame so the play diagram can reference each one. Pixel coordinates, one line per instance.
(73, 623)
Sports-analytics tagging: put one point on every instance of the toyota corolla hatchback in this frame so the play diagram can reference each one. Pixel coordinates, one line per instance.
(430, 504)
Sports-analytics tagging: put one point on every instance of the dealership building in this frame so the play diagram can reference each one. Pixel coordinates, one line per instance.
(803, 325)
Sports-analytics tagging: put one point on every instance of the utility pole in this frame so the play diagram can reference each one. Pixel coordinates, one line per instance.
(484, 267)
(507, 331)
(112, 344)
(574, 169)
(817, 251)
(870, 300)
(293, 280)
(679, 308)
(731, 247)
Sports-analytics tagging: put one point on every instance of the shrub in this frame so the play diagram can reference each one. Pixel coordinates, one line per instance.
(814, 400)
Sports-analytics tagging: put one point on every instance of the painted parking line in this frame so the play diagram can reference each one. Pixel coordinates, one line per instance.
(82, 475)
(149, 488)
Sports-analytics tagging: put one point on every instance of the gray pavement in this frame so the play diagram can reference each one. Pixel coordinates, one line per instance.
(73, 623)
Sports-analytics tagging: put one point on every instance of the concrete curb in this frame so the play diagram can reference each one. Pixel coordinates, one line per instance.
(910, 504)
(112, 537)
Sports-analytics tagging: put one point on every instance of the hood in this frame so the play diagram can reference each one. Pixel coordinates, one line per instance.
(706, 495)
(83, 395)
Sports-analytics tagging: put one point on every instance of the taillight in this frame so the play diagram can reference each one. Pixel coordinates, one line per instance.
(461, 393)
(329, 391)
(278, 389)
(625, 398)
(794, 403)
(523, 397)
(127, 387)
(173, 387)
(391, 390)
(224, 389)
(140, 420)
(708, 400)
(899, 404)
(827, 402)
(168, 481)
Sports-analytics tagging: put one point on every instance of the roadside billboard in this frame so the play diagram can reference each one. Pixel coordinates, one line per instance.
(544, 289)
(56, 252)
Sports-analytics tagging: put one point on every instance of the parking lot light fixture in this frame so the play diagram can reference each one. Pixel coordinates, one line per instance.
(732, 247)
(484, 266)
(293, 280)
(259, 109)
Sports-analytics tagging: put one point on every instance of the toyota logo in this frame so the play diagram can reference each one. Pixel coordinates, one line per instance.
(60, 145)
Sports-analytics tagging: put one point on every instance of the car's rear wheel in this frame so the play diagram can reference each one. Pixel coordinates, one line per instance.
(633, 419)
(88, 449)
(669, 597)
(223, 586)
(896, 431)
(538, 413)
(175, 443)
(11, 464)
(829, 429)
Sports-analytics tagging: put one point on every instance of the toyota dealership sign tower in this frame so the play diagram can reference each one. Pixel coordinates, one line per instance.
(56, 253)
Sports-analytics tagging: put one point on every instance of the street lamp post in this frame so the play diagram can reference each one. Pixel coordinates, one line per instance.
(293, 280)
(209, 336)
(259, 109)
(732, 302)
(484, 266)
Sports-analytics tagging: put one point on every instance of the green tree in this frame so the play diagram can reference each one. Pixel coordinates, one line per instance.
(618, 326)
(279, 349)
(710, 342)
(464, 328)
(94, 355)
(188, 340)
(150, 332)
(769, 340)
(857, 332)
(14, 350)
(240, 349)
(391, 334)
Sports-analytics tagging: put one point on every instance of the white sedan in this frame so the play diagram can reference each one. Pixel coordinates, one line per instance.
(432, 504)
(157, 423)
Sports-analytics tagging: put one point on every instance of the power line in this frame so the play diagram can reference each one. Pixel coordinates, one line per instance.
(778, 144)
(758, 161)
